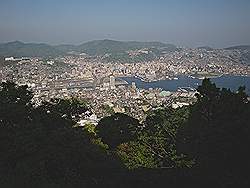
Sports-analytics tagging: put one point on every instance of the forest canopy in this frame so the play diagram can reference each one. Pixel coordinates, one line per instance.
(41, 146)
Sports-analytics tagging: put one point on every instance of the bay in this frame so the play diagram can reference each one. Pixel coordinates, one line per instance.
(232, 82)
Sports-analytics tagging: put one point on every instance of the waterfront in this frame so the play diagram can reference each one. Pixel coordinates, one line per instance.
(232, 82)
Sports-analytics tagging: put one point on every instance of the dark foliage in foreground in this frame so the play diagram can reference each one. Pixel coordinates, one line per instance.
(217, 133)
(40, 148)
(117, 129)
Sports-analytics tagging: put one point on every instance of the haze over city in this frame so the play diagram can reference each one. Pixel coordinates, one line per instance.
(193, 23)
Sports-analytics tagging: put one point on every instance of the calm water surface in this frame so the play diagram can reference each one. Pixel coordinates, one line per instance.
(232, 82)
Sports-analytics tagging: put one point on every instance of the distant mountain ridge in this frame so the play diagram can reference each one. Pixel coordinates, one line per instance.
(18, 49)
(245, 51)
(100, 47)
(107, 50)
(93, 48)
(241, 47)
(208, 48)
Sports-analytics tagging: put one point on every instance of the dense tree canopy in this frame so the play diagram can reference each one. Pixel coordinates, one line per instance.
(155, 146)
(159, 136)
(15, 104)
(217, 133)
(116, 129)
(41, 148)
(204, 144)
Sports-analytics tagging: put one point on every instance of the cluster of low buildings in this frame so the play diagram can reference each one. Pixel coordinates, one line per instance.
(101, 85)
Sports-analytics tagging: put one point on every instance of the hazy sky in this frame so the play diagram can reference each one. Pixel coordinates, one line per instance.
(217, 23)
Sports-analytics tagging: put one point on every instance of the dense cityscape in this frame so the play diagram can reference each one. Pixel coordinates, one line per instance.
(124, 93)
(101, 84)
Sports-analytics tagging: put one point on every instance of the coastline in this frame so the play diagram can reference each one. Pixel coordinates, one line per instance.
(202, 77)
(179, 76)
(225, 80)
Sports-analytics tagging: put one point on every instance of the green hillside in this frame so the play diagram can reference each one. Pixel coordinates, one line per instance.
(245, 50)
(92, 48)
(18, 49)
(101, 47)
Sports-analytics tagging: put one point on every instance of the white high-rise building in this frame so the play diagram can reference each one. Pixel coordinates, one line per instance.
(112, 82)
(133, 86)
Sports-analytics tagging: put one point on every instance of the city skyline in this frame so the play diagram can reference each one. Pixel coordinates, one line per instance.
(185, 23)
